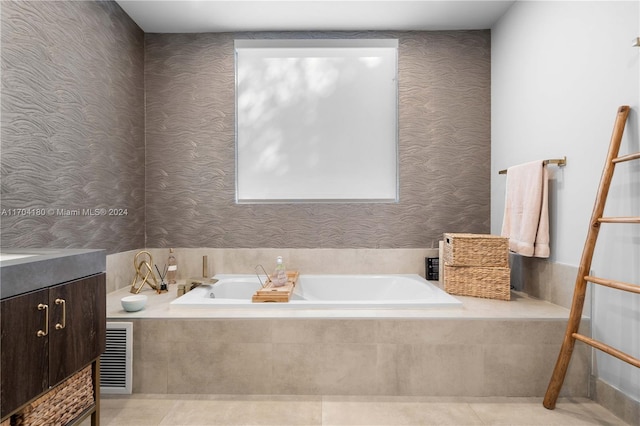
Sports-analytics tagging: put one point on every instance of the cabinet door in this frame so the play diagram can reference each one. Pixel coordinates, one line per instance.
(25, 352)
(78, 326)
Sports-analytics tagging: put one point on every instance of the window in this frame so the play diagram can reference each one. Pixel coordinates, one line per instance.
(316, 121)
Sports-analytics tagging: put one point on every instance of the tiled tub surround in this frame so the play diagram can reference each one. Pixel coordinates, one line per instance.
(485, 348)
(546, 280)
(120, 270)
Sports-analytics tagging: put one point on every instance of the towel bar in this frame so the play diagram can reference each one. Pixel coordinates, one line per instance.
(558, 161)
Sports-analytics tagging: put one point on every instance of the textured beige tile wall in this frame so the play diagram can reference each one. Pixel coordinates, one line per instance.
(72, 126)
(444, 149)
(308, 261)
(551, 281)
(120, 269)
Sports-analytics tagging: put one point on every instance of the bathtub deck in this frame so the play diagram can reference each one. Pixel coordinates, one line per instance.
(521, 306)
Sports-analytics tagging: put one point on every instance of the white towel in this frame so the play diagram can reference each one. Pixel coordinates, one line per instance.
(526, 210)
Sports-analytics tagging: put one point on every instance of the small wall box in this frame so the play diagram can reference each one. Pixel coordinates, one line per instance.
(432, 268)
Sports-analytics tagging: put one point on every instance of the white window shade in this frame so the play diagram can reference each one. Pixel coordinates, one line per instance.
(316, 120)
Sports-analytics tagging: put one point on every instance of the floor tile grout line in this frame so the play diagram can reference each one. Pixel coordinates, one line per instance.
(475, 406)
(475, 412)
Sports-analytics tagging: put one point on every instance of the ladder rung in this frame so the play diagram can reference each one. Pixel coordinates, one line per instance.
(627, 219)
(619, 285)
(608, 349)
(627, 157)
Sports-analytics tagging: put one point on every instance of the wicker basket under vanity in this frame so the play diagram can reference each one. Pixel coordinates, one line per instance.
(477, 265)
(61, 404)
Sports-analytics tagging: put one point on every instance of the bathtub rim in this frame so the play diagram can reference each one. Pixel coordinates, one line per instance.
(449, 302)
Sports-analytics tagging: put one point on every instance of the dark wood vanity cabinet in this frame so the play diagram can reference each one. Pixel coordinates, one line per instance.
(86, 324)
(47, 336)
(25, 356)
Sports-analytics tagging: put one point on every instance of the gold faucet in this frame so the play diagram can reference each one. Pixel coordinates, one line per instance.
(191, 283)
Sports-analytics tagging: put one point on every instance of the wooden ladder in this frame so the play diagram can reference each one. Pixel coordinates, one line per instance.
(571, 333)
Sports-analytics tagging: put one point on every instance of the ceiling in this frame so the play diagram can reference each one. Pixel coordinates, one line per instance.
(191, 16)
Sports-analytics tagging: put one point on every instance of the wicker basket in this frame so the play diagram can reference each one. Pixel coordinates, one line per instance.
(478, 281)
(476, 250)
(7, 422)
(61, 404)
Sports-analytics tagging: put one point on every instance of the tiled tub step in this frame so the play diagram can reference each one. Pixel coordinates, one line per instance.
(346, 356)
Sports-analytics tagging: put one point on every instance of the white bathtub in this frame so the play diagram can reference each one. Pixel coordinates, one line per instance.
(323, 291)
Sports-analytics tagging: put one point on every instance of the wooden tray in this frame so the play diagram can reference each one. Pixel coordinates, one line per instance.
(270, 293)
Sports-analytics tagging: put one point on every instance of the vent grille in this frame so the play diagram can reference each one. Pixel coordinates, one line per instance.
(116, 361)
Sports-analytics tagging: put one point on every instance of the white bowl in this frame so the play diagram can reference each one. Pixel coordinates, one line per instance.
(134, 303)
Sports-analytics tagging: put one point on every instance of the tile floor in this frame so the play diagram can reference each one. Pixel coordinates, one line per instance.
(142, 409)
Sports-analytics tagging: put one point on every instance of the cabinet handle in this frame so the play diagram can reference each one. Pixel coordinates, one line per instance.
(45, 308)
(64, 314)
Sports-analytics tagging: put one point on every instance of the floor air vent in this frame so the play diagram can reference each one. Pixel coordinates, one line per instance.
(116, 361)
